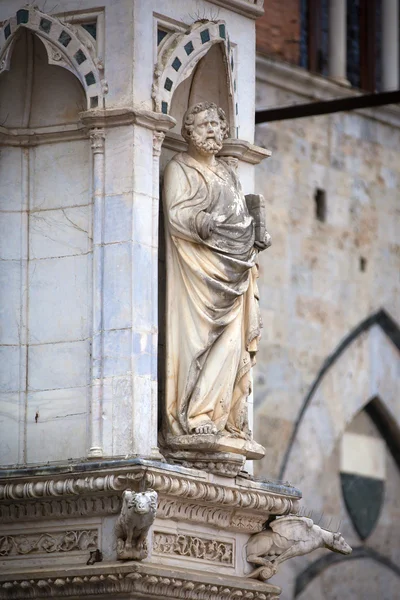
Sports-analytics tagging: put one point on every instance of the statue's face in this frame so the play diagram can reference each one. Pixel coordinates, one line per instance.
(207, 135)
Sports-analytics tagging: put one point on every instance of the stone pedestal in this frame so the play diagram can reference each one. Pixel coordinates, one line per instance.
(61, 522)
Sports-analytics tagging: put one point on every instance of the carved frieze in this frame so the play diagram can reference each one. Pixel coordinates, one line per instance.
(216, 551)
(138, 580)
(63, 508)
(48, 543)
(234, 505)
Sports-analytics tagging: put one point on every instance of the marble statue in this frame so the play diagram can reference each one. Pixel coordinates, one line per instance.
(138, 512)
(287, 537)
(213, 236)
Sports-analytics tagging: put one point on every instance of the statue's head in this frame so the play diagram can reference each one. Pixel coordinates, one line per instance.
(205, 127)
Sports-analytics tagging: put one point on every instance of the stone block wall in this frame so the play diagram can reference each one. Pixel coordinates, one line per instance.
(324, 352)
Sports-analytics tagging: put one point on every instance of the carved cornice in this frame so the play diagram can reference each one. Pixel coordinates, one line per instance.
(89, 120)
(140, 580)
(114, 117)
(184, 494)
(232, 148)
(62, 508)
(249, 8)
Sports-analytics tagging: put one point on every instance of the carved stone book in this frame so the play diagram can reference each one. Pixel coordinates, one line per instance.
(256, 206)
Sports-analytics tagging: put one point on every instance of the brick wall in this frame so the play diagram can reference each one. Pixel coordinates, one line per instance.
(278, 30)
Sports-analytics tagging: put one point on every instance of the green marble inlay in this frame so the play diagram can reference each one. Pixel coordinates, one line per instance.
(80, 57)
(45, 25)
(168, 84)
(205, 36)
(22, 16)
(188, 48)
(90, 78)
(222, 32)
(64, 38)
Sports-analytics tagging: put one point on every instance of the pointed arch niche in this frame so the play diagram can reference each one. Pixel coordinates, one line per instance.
(66, 47)
(52, 180)
(195, 66)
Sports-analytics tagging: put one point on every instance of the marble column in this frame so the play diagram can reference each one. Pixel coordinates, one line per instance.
(390, 45)
(337, 41)
(97, 137)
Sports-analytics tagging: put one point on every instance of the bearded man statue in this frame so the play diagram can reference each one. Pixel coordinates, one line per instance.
(212, 315)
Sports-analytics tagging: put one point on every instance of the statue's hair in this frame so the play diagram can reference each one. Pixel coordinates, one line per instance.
(188, 118)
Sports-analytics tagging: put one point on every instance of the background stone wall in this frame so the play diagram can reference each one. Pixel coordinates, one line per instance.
(278, 30)
(328, 270)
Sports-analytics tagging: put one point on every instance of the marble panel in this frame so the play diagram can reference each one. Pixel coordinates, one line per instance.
(12, 368)
(122, 425)
(117, 286)
(11, 278)
(9, 428)
(59, 296)
(145, 219)
(56, 366)
(142, 288)
(12, 235)
(11, 190)
(363, 455)
(56, 425)
(117, 352)
(61, 175)
(118, 218)
(60, 232)
(143, 160)
(119, 160)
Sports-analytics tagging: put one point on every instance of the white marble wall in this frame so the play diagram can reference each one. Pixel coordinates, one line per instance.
(54, 299)
(45, 270)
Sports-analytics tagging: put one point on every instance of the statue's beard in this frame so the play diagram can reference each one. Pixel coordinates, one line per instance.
(205, 147)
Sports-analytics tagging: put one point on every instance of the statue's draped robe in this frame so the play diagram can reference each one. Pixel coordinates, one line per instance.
(212, 315)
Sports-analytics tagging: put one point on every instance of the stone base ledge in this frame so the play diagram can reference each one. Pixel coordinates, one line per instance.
(139, 580)
(78, 490)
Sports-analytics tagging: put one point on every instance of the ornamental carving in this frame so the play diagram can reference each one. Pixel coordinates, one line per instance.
(48, 543)
(157, 586)
(67, 46)
(54, 509)
(193, 547)
(137, 515)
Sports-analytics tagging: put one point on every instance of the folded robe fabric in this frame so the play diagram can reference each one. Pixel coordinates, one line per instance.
(212, 314)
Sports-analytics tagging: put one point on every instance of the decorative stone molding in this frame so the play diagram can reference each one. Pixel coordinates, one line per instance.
(214, 551)
(198, 513)
(187, 495)
(180, 54)
(66, 47)
(90, 120)
(139, 580)
(249, 8)
(48, 543)
(232, 149)
(85, 506)
(137, 515)
(97, 138)
(158, 138)
(115, 117)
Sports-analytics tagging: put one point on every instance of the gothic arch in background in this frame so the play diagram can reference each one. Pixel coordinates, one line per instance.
(321, 564)
(66, 47)
(386, 324)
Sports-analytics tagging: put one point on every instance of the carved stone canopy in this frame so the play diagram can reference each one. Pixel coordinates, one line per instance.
(67, 46)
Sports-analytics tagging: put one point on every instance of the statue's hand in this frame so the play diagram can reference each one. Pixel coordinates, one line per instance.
(265, 244)
(205, 225)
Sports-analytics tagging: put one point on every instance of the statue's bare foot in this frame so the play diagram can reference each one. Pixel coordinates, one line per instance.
(208, 428)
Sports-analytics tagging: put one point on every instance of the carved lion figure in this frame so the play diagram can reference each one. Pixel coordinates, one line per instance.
(137, 515)
(287, 537)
